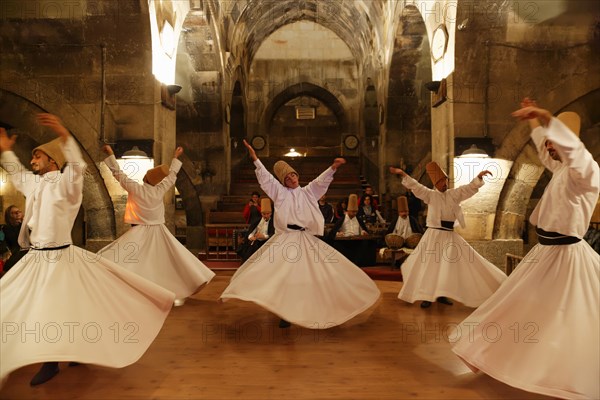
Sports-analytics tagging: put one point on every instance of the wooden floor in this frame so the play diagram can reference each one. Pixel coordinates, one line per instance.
(235, 350)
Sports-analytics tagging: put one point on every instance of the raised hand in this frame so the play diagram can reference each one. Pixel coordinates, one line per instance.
(6, 143)
(337, 163)
(108, 150)
(484, 173)
(251, 151)
(54, 123)
(178, 151)
(397, 171)
(531, 111)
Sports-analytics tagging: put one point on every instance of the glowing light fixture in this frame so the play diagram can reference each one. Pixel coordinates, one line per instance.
(135, 153)
(474, 152)
(293, 153)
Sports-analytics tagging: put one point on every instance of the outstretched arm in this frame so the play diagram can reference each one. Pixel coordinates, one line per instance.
(318, 187)
(251, 151)
(531, 112)
(166, 184)
(419, 190)
(111, 162)
(75, 165)
(21, 177)
(537, 116)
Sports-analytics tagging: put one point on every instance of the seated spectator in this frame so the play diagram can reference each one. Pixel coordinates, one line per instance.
(14, 218)
(368, 191)
(340, 209)
(327, 210)
(252, 209)
(367, 213)
(258, 232)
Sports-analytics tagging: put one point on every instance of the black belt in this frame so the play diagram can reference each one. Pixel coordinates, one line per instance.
(52, 248)
(554, 238)
(446, 226)
(295, 227)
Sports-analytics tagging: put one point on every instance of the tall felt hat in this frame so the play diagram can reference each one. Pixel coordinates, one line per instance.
(596, 213)
(156, 174)
(402, 204)
(569, 118)
(53, 149)
(265, 205)
(281, 169)
(435, 173)
(352, 203)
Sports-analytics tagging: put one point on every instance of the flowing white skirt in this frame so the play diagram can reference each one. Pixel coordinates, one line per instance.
(304, 281)
(73, 305)
(444, 264)
(153, 252)
(540, 331)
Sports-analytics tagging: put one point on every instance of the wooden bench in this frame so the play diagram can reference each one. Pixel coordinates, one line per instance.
(511, 263)
(220, 227)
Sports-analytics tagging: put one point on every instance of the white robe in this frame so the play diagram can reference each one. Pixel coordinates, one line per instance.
(350, 227)
(70, 304)
(149, 249)
(296, 275)
(540, 331)
(443, 263)
(403, 227)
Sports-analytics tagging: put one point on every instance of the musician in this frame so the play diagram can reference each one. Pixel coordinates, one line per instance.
(259, 232)
(349, 236)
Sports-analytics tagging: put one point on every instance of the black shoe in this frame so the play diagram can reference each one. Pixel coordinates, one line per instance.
(284, 324)
(74, 364)
(47, 372)
(444, 300)
(425, 304)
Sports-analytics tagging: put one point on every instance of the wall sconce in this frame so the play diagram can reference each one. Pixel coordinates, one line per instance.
(433, 86)
(235, 143)
(167, 95)
(438, 92)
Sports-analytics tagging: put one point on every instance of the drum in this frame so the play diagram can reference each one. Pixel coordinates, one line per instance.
(394, 241)
(413, 240)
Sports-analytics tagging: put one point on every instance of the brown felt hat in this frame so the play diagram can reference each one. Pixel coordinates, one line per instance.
(402, 204)
(282, 169)
(156, 174)
(435, 173)
(53, 149)
(352, 203)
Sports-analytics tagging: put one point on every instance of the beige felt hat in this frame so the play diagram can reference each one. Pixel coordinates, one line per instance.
(53, 149)
(156, 174)
(281, 169)
(569, 118)
(265, 205)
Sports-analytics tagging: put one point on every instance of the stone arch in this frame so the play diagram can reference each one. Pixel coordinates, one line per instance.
(526, 172)
(407, 111)
(20, 101)
(304, 89)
